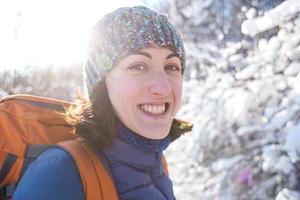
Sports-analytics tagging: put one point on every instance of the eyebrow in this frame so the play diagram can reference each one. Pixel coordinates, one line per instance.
(172, 55)
(149, 56)
(143, 54)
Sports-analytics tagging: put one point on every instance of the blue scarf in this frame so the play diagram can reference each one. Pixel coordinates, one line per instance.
(140, 142)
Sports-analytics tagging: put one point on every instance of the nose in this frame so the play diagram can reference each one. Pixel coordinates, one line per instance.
(160, 85)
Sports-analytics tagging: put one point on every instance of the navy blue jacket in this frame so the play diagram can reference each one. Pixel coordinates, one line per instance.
(137, 172)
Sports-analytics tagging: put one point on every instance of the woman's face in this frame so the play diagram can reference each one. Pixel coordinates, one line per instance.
(145, 91)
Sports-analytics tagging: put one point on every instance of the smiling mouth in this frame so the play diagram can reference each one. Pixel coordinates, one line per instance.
(155, 109)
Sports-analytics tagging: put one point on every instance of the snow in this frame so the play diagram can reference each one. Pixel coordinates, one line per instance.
(281, 14)
(246, 113)
(238, 104)
(284, 165)
(274, 44)
(292, 69)
(294, 54)
(196, 8)
(290, 43)
(224, 164)
(251, 13)
(297, 83)
(292, 142)
(271, 155)
(287, 194)
(3, 93)
(283, 117)
(247, 73)
(246, 130)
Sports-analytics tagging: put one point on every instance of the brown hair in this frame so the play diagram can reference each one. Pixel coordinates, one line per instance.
(94, 120)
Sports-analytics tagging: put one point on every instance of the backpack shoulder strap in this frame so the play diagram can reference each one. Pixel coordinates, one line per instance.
(165, 164)
(96, 182)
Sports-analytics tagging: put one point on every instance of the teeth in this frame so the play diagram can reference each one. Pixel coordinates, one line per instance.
(154, 109)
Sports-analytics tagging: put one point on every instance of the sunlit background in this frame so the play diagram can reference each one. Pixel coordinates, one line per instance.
(241, 85)
(41, 33)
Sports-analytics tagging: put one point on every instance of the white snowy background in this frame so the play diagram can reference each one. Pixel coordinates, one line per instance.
(246, 138)
(242, 94)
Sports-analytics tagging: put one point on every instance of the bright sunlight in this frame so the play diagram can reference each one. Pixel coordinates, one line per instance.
(52, 32)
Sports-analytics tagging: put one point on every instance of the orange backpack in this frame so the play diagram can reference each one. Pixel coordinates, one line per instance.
(29, 125)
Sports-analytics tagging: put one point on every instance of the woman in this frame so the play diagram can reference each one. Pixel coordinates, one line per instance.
(133, 78)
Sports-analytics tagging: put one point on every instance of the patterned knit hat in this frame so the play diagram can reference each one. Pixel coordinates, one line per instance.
(123, 32)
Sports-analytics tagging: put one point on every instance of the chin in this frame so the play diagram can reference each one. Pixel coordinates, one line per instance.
(156, 134)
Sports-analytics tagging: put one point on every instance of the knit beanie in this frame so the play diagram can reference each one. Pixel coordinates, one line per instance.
(122, 32)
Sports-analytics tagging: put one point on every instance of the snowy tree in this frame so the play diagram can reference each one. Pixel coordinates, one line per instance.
(53, 82)
(242, 94)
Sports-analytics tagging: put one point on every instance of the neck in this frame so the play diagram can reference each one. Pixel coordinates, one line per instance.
(140, 142)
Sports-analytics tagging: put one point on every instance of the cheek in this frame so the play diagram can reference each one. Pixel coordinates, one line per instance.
(122, 95)
(180, 90)
(177, 88)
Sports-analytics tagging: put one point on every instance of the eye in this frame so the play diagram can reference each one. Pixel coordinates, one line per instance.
(173, 67)
(138, 66)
